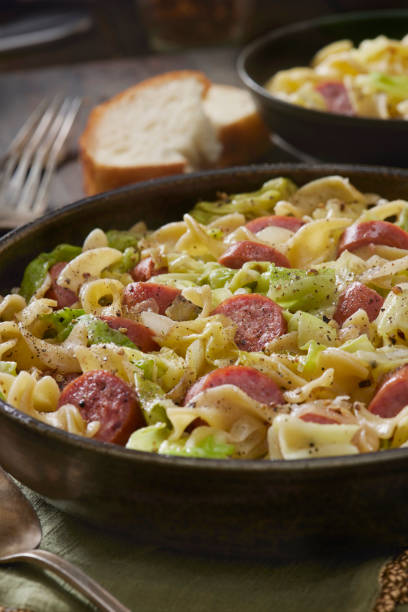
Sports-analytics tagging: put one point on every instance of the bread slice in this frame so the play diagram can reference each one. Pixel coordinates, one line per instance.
(169, 124)
(241, 131)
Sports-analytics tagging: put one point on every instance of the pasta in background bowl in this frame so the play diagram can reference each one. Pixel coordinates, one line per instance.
(352, 57)
(370, 80)
(251, 507)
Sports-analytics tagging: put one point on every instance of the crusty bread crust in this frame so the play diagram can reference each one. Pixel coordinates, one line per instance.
(98, 177)
(243, 141)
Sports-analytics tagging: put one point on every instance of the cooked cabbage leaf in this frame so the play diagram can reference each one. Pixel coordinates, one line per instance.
(36, 271)
(253, 204)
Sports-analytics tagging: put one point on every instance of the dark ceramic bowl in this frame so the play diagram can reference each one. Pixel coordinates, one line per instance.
(253, 508)
(326, 136)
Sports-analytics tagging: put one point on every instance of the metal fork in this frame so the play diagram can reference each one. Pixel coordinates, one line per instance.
(31, 159)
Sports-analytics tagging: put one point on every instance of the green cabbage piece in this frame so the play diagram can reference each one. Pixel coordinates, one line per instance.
(253, 204)
(129, 259)
(310, 328)
(8, 367)
(60, 322)
(164, 367)
(152, 401)
(122, 240)
(99, 332)
(209, 447)
(310, 363)
(149, 438)
(362, 343)
(36, 271)
(392, 321)
(395, 85)
(298, 289)
(403, 219)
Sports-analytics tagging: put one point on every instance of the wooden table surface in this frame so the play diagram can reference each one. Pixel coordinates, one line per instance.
(21, 91)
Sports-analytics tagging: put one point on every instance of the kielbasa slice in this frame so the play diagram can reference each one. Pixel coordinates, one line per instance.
(255, 384)
(64, 297)
(241, 252)
(290, 223)
(163, 295)
(139, 334)
(311, 417)
(104, 397)
(392, 395)
(336, 97)
(357, 296)
(258, 319)
(373, 232)
(145, 269)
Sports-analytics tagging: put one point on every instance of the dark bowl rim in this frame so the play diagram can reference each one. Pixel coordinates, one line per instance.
(293, 466)
(254, 46)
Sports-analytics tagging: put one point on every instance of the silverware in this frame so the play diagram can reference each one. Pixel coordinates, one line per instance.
(31, 159)
(20, 534)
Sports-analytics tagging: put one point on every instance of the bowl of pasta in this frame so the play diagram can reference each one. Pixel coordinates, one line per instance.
(336, 87)
(216, 361)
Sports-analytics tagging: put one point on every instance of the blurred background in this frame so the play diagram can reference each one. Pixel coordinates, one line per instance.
(37, 33)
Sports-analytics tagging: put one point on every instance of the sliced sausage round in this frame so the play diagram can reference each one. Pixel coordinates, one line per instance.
(241, 252)
(311, 417)
(255, 384)
(145, 269)
(163, 295)
(258, 319)
(373, 232)
(63, 297)
(336, 97)
(357, 296)
(104, 397)
(392, 395)
(139, 334)
(290, 223)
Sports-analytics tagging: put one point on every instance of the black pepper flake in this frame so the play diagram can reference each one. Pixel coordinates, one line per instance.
(364, 383)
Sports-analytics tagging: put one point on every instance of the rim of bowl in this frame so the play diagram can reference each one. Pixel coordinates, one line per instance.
(257, 44)
(294, 466)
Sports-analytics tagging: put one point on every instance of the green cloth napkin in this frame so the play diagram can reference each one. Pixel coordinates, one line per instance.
(153, 579)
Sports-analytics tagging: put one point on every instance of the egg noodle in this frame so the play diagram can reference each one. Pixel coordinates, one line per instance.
(370, 80)
(321, 367)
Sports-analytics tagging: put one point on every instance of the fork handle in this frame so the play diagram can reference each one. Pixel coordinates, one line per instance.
(74, 576)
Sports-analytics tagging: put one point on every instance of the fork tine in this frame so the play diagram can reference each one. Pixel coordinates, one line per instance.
(40, 202)
(24, 132)
(18, 178)
(32, 181)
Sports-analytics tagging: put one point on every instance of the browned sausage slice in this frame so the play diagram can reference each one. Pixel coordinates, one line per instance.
(135, 293)
(358, 296)
(311, 417)
(255, 384)
(258, 319)
(241, 252)
(290, 223)
(139, 334)
(64, 297)
(104, 397)
(336, 97)
(373, 232)
(145, 269)
(392, 395)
